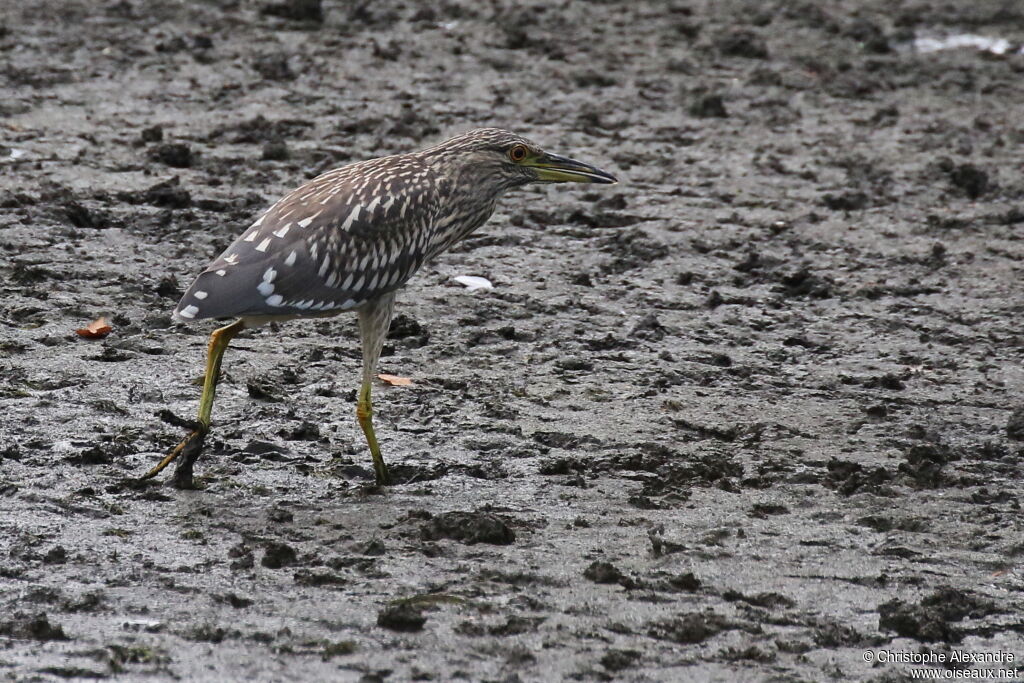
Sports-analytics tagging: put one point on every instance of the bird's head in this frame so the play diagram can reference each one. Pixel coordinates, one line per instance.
(498, 156)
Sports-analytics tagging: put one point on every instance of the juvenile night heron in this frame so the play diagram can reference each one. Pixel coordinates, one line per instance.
(347, 241)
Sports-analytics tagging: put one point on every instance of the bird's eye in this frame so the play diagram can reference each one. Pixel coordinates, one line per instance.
(517, 153)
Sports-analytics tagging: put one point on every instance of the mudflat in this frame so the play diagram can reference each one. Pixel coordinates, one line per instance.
(751, 414)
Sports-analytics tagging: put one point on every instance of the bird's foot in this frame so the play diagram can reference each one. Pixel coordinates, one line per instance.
(364, 413)
(193, 447)
(381, 473)
(188, 451)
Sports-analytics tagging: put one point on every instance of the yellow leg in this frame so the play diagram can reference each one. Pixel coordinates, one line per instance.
(374, 321)
(192, 445)
(364, 412)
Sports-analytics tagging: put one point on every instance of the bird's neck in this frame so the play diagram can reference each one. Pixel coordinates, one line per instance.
(468, 199)
(459, 218)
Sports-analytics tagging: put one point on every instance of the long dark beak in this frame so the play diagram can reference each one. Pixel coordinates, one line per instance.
(552, 168)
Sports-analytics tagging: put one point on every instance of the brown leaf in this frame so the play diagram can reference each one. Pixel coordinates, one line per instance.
(97, 329)
(395, 380)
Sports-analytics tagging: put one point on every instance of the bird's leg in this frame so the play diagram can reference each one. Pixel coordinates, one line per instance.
(192, 445)
(374, 322)
(364, 413)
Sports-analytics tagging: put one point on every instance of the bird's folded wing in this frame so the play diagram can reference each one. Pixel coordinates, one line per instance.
(331, 245)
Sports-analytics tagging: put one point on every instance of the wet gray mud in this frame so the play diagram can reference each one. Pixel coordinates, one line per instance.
(743, 416)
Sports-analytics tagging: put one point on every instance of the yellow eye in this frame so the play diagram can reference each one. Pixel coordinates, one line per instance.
(517, 153)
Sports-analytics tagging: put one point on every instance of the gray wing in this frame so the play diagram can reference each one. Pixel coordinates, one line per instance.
(338, 241)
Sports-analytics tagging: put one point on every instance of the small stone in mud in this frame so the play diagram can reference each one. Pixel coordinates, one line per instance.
(168, 193)
(234, 600)
(742, 43)
(582, 279)
(593, 79)
(925, 462)
(916, 621)
(955, 604)
(606, 343)
(275, 150)
(603, 572)
(847, 201)
(371, 548)
(695, 627)
(563, 440)
(877, 411)
(32, 627)
(886, 116)
(763, 510)
(176, 154)
(709, 106)
(831, 634)
(870, 35)
(649, 327)
(719, 359)
(401, 617)
(886, 381)
(79, 216)
(297, 10)
(850, 477)
(971, 179)
(339, 649)
(562, 466)
(617, 660)
(93, 455)
(632, 248)
(804, 283)
(168, 287)
(280, 516)
(515, 625)
(406, 327)
(243, 561)
(304, 577)
(274, 67)
(307, 431)
(87, 602)
(262, 390)
(876, 522)
(1012, 216)
(1015, 425)
(56, 555)
(574, 364)
(152, 134)
(685, 582)
(766, 600)
(239, 550)
(278, 555)
(468, 528)
(206, 633)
